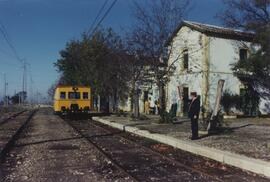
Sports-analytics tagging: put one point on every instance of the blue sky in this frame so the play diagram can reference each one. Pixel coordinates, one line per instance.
(39, 29)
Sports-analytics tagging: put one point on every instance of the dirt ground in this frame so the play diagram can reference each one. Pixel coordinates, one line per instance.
(49, 150)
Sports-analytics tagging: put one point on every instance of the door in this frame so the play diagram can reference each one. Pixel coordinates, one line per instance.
(186, 100)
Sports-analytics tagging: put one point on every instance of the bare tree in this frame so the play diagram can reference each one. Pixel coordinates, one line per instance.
(246, 14)
(155, 23)
(138, 68)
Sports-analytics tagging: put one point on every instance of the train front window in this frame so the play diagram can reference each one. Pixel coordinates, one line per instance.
(85, 95)
(74, 95)
(62, 95)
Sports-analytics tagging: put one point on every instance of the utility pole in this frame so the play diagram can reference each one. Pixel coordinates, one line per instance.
(15, 93)
(30, 95)
(4, 98)
(24, 84)
(38, 98)
(19, 94)
(7, 98)
(5, 90)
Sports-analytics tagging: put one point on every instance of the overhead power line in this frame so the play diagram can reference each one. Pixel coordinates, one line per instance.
(6, 37)
(14, 51)
(103, 17)
(99, 13)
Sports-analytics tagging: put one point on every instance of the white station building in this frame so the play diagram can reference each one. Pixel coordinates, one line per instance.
(202, 54)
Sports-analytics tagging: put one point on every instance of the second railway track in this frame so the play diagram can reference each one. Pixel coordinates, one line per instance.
(11, 128)
(3, 121)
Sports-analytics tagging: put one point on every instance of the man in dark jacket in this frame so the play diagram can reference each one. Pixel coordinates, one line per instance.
(193, 114)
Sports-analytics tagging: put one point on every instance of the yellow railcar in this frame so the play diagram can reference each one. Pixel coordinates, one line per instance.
(72, 99)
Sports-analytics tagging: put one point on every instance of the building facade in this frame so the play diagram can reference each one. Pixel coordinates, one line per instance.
(202, 54)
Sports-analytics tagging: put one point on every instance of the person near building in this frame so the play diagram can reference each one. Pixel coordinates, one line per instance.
(147, 107)
(152, 106)
(193, 114)
(156, 107)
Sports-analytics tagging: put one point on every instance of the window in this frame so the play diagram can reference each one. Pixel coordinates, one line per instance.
(62, 95)
(243, 54)
(185, 61)
(85, 95)
(74, 95)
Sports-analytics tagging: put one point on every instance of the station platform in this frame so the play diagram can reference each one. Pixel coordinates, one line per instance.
(244, 144)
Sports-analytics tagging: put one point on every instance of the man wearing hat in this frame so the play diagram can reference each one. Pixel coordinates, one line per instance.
(193, 114)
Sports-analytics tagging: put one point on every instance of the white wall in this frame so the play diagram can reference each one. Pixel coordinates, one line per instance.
(222, 54)
(192, 40)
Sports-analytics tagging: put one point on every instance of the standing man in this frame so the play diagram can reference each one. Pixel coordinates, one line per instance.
(193, 114)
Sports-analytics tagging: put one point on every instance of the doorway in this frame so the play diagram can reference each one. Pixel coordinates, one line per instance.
(185, 100)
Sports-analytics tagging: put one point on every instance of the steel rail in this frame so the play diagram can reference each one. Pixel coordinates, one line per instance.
(117, 165)
(15, 136)
(159, 154)
(11, 117)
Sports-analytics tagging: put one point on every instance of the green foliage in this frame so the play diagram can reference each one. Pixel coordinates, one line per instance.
(255, 71)
(247, 101)
(18, 96)
(166, 117)
(230, 101)
(97, 61)
(250, 100)
(253, 15)
(121, 113)
(255, 74)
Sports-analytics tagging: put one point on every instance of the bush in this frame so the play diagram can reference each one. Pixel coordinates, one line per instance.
(249, 102)
(229, 101)
(121, 113)
(166, 117)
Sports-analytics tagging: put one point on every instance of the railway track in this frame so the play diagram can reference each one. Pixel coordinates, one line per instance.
(97, 147)
(93, 150)
(48, 149)
(11, 117)
(15, 127)
(109, 139)
(136, 157)
(159, 154)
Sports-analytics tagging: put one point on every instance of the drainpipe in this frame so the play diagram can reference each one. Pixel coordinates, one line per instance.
(206, 74)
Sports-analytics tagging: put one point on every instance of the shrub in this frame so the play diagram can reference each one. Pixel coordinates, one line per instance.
(166, 117)
(229, 101)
